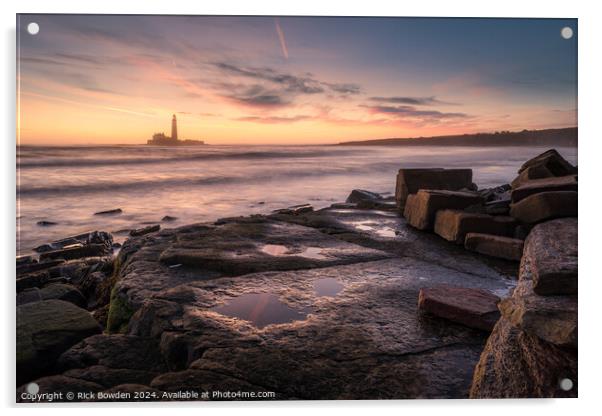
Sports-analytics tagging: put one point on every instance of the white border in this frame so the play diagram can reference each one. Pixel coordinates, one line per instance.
(590, 161)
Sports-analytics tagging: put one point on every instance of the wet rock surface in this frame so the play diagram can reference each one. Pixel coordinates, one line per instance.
(475, 308)
(363, 340)
(321, 304)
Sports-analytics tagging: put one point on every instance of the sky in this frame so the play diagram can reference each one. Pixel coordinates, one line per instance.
(94, 79)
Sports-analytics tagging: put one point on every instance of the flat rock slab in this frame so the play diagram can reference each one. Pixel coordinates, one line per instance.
(453, 225)
(349, 330)
(535, 186)
(551, 250)
(44, 330)
(545, 206)
(410, 181)
(237, 248)
(348, 345)
(476, 308)
(421, 208)
(495, 245)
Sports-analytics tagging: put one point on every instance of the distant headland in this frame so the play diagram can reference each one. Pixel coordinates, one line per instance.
(549, 137)
(160, 139)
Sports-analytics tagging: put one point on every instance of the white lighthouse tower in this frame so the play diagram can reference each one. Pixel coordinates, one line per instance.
(174, 128)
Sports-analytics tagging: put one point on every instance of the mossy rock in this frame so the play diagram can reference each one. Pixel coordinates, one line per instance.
(120, 313)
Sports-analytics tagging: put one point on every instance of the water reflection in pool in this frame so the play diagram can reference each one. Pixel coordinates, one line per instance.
(327, 287)
(261, 309)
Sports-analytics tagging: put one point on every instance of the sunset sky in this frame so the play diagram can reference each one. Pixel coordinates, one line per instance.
(289, 80)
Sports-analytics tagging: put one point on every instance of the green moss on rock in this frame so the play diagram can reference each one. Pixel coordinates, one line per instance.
(120, 313)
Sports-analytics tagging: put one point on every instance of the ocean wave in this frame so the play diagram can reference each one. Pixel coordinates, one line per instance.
(143, 159)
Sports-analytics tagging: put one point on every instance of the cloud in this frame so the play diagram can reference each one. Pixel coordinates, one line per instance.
(274, 119)
(257, 96)
(411, 113)
(411, 100)
(297, 84)
(291, 83)
(345, 88)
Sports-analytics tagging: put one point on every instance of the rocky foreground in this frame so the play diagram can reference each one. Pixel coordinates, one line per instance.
(416, 296)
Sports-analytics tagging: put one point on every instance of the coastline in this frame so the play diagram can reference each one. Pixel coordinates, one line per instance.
(370, 264)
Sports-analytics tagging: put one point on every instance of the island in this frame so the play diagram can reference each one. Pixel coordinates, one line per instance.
(160, 139)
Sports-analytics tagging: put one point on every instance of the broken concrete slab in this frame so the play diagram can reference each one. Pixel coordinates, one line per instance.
(421, 208)
(410, 181)
(475, 308)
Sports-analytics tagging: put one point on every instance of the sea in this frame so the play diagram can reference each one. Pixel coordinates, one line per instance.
(67, 185)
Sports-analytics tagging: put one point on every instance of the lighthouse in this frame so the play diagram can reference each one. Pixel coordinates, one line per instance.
(174, 128)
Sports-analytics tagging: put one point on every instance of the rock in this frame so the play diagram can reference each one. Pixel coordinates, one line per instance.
(32, 280)
(109, 377)
(114, 351)
(500, 207)
(168, 218)
(367, 341)
(515, 364)
(101, 314)
(343, 205)
(359, 195)
(93, 289)
(295, 210)
(545, 206)
(420, 208)
(453, 225)
(551, 250)
(76, 252)
(495, 245)
(28, 296)
(530, 174)
(44, 330)
(546, 165)
(45, 247)
(153, 318)
(36, 267)
(475, 308)
(59, 384)
(236, 248)
(561, 183)
(410, 181)
(146, 230)
(23, 260)
(46, 223)
(109, 212)
(551, 318)
(68, 293)
(552, 160)
(495, 194)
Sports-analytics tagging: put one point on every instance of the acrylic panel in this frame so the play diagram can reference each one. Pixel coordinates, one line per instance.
(295, 208)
